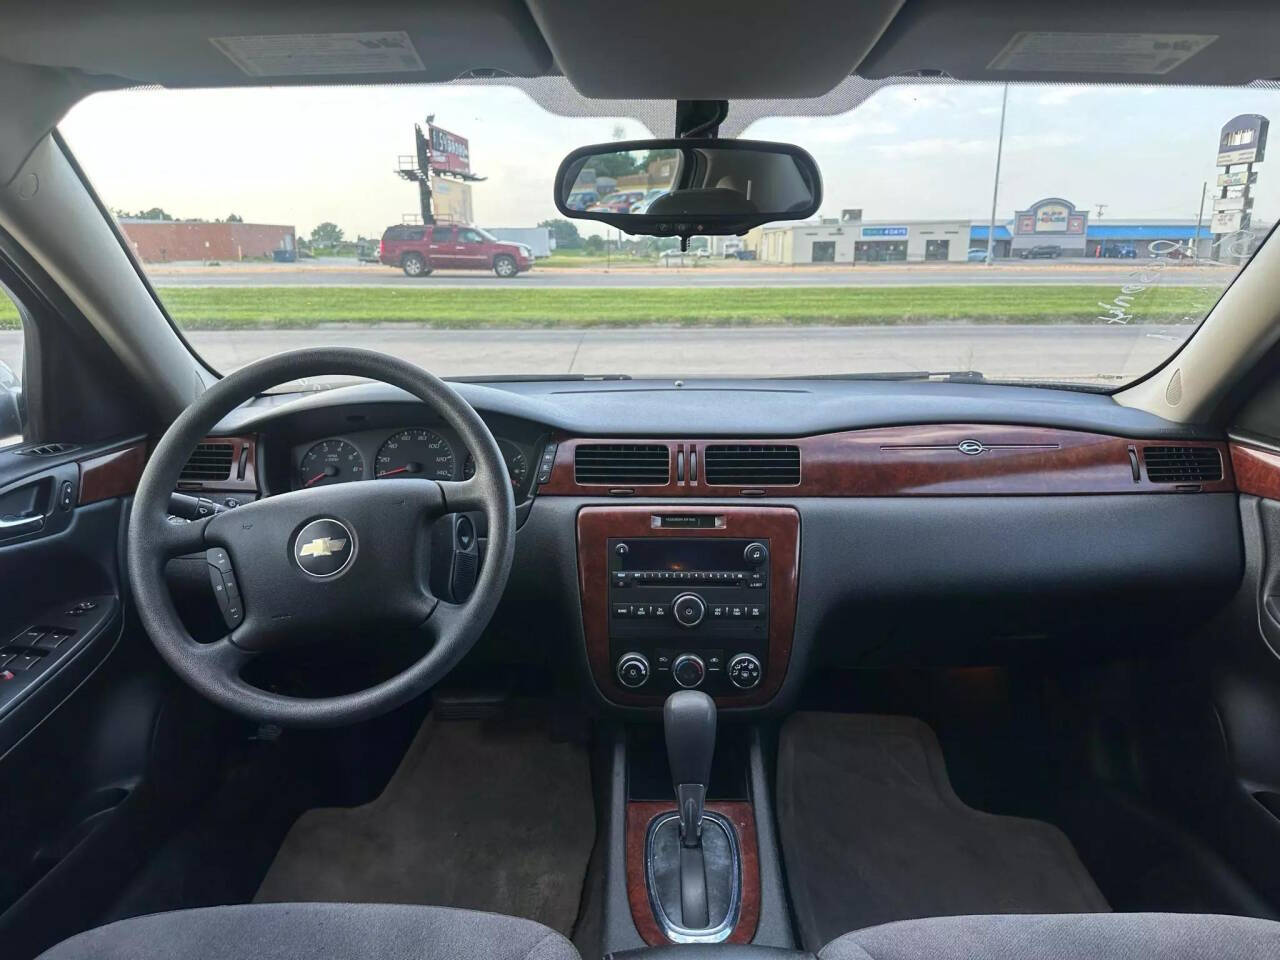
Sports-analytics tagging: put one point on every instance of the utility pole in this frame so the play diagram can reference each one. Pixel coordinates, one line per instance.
(995, 187)
(1195, 244)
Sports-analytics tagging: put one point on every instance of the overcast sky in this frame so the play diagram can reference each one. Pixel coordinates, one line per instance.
(302, 156)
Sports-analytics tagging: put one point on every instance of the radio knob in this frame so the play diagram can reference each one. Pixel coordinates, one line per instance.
(688, 609)
(744, 671)
(633, 670)
(688, 670)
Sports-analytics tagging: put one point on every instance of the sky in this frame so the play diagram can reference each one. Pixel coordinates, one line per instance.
(301, 156)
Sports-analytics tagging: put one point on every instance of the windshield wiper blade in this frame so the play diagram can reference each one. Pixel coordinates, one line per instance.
(945, 376)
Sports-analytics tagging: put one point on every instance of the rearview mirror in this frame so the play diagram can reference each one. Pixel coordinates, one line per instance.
(688, 187)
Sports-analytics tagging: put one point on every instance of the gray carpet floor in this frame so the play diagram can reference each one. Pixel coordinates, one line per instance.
(872, 832)
(491, 815)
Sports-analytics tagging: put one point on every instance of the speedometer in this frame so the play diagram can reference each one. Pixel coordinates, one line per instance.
(416, 453)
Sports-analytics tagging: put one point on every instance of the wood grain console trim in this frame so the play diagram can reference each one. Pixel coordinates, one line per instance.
(781, 525)
(114, 474)
(919, 461)
(740, 813)
(1257, 471)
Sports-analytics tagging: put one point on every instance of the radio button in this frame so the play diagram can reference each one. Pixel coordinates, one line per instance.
(658, 610)
(688, 610)
(755, 554)
(621, 611)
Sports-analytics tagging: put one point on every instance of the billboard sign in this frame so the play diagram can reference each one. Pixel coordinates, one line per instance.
(1241, 178)
(1226, 221)
(1232, 203)
(449, 152)
(1243, 139)
(884, 231)
(1052, 218)
(1051, 215)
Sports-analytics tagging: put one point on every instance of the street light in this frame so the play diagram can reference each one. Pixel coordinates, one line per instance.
(995, 187)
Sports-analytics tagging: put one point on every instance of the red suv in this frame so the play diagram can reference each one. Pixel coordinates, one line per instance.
(419, 250)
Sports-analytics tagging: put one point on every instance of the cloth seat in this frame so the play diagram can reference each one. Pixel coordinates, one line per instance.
(309, 931)
(1082, 936)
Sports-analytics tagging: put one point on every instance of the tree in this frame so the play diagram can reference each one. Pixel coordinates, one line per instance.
(564, 233)
(616, 164)
(154, 213)
(234, 218)
(595, 243)
(326, 234)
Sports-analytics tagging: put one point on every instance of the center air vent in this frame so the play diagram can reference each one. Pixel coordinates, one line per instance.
(1182, 464)
(752, 465)
(209, 462)
(631, 464)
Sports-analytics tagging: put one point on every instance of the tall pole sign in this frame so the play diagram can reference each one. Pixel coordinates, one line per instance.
(1241, 143)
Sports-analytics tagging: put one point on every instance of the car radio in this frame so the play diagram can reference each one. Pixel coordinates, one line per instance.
(690, 613)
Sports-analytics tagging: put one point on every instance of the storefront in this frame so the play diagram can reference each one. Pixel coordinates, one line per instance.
(862, 242)
(1051, 222)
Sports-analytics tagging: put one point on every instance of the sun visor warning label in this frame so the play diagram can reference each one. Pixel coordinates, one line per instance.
(1132, 53)
(318, 54)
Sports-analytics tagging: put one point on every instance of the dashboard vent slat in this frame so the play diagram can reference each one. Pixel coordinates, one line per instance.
(208, 462)
(1182, 464)
(630, 464)
(748, 465)
(47, 449)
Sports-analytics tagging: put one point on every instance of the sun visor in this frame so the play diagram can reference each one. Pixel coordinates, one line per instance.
(674, 49)
(251, 42)
(1087, 41)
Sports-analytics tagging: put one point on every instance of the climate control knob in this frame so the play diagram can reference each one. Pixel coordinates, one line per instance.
(688, 670)
(744, 671)
(688, 609)
(633, 670)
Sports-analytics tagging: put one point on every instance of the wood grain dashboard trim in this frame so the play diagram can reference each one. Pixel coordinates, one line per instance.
(918, 461)
(1257, 471)
(110, 475)
(781, 525)
(740, 813)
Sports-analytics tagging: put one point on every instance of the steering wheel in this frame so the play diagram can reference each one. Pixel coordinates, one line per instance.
(351, 556)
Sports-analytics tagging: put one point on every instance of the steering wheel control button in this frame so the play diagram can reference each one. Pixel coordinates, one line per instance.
(633, 670)
(225, 588)
(755, 554)
(689, 671)
(744, 671)
(324, 548)
(688, 610)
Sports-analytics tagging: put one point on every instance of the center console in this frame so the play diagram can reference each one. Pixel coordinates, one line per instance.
(692, 598)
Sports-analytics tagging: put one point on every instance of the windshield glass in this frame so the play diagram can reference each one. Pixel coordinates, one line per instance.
(275, 218)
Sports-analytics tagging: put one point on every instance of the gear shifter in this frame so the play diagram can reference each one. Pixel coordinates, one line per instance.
(689, 722)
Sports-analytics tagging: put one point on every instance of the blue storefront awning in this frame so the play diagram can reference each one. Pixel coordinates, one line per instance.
(1145, 231)
(980, 233)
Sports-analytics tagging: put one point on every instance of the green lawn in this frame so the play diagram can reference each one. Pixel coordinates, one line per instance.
(507, 305)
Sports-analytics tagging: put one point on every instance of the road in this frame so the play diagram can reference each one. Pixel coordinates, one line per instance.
(713, 274)
(1070, 352)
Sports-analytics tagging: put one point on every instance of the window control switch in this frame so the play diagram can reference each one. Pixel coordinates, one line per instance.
(24, 661)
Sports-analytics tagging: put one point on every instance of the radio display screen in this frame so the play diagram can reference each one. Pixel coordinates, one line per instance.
(672, 553)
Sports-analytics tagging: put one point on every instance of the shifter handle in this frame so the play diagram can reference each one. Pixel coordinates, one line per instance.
(689, 722)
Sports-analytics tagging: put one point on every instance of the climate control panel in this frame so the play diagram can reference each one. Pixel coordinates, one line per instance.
(689, 613)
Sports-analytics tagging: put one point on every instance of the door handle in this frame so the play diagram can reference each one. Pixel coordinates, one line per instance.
(20, 526)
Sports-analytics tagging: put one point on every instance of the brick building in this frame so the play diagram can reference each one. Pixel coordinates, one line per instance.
(164, 240)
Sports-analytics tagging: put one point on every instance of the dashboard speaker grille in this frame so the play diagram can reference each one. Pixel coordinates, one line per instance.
(1182, 464)
(751, 465)
(632, 464)
(209, 461)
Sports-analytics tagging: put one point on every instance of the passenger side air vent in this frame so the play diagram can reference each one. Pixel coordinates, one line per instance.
(631, 464)
(751, 465)
(1182, 464)
(47, 449)
(209, 462)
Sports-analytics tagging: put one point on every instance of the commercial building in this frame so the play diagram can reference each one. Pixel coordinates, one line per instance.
(157, 241)
(861, 241)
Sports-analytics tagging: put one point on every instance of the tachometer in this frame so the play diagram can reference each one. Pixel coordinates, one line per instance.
(517, 465)
(416, 453)
(330, 461)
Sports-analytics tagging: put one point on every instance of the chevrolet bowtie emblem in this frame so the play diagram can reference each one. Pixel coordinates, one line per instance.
(322, 547)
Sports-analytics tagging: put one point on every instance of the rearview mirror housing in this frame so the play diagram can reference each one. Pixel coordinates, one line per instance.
(689, 187)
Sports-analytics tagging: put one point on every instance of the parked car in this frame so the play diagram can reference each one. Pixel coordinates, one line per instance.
(419, 250)
(582, 199)
(1122, 251)
(674, 254)
(1042, 251)
(977, 254)
(620, 202)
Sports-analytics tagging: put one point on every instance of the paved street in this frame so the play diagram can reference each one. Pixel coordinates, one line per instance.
(999, 351)
(706, 274)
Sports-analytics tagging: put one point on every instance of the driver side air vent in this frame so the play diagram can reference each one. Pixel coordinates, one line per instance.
(751, 465)
(209, 461)
(632, 464)
(1182, 464)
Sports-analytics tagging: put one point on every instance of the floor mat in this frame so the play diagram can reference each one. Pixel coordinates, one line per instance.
(872, 832)
(491, 815)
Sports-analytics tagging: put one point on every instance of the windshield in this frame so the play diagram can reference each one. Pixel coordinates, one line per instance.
(1025, 233)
